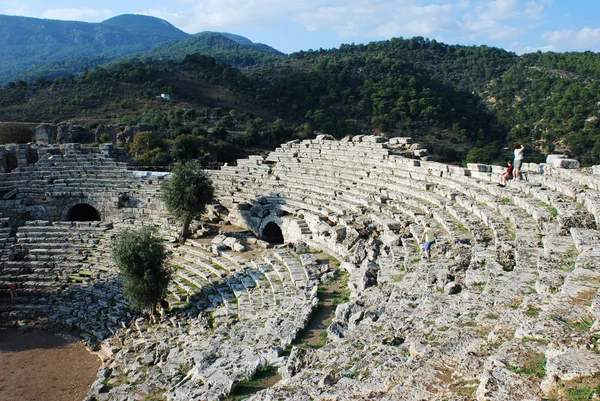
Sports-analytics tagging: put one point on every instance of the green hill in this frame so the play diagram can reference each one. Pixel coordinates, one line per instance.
(238, 53)
(32, 47)
(464, 103)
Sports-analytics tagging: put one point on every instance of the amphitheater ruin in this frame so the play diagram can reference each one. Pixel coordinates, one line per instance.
(507, 309)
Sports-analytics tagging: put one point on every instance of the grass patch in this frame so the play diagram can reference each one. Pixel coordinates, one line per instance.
(334, 262)
(553, 211)
(532, 311)
(531, 291)
(535, 365)
(463, 229)
(155, 395)
(398, 277)
(465, 388)
(536, 340)
(585, 324)
(264, 378)
(479, 286)
(583, 389)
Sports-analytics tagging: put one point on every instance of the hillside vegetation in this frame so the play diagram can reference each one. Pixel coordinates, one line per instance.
(33, 47)
(465, 103)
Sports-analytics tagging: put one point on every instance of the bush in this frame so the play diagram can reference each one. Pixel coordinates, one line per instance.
(15, 133)
(140, 258)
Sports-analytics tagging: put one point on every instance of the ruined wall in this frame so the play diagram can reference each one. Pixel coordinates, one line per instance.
(71, 132)
(67, 175)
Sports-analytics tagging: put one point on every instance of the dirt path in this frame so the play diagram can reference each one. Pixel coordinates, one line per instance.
(42, 366)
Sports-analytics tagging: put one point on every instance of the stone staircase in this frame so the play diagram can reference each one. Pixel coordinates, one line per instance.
(58, 269)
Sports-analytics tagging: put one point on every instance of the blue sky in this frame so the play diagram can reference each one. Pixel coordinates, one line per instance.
(517, 25)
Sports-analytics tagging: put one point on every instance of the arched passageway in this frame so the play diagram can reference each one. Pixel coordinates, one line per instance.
(83, 212)
(272, 233)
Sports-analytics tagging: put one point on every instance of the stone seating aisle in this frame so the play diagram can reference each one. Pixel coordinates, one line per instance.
(55, 268)
(269, 304)
(512, 298)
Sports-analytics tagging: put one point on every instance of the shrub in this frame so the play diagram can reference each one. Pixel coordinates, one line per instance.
(140, 258)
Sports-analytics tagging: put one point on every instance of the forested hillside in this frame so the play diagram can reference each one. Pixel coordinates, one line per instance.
(465, 103)
(33, 47)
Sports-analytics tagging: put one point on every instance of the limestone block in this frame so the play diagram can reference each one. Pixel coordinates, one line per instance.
(357, 138)
(501, 384)
(401, 140)
(572, 365)
(374, 139)
(238, 247)
(46, 133)
(299, 359)
(324, 137)
(336, 330)
(219, 239)
(596, 170)
(481, 168)
(258, 209)
(565, 163)
(421, 152)
(550, 158)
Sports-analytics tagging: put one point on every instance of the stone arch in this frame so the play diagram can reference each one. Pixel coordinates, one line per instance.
(81, 210)
(270, 230)
(272, 233)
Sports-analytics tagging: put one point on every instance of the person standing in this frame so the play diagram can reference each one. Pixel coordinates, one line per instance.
(428, 239)
(13, 293)
(518, 161)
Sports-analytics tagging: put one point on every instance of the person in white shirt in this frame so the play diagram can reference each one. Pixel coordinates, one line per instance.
(429, 239)
(518, 161)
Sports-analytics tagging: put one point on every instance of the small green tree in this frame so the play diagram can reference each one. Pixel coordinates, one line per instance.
(186, 193)
(140, 258)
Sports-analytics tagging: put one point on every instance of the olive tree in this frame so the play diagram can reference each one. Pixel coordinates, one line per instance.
(140, 258)
(186, 193)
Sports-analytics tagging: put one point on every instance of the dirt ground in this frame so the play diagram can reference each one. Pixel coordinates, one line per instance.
(41, 366)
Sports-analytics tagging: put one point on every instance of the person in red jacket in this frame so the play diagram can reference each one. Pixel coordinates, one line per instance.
(506, 175)
(13, 293)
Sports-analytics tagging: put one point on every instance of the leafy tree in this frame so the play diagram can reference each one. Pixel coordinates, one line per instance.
(186, 193)
(186, 147)
(140, 256)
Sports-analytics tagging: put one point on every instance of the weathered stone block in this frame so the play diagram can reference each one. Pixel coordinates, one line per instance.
(550, 158)
(401, 140)
(46, 133)
(324, 137)
(482, 168)
(565, 163)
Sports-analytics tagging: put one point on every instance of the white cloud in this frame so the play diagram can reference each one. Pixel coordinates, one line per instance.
(78, 14)
(456, 20)
(570, 40)
(14, 8)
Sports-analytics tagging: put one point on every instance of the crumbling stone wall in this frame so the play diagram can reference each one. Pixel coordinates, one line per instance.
(67, 175)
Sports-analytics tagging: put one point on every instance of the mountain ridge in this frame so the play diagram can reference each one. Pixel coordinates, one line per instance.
(31, 46)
